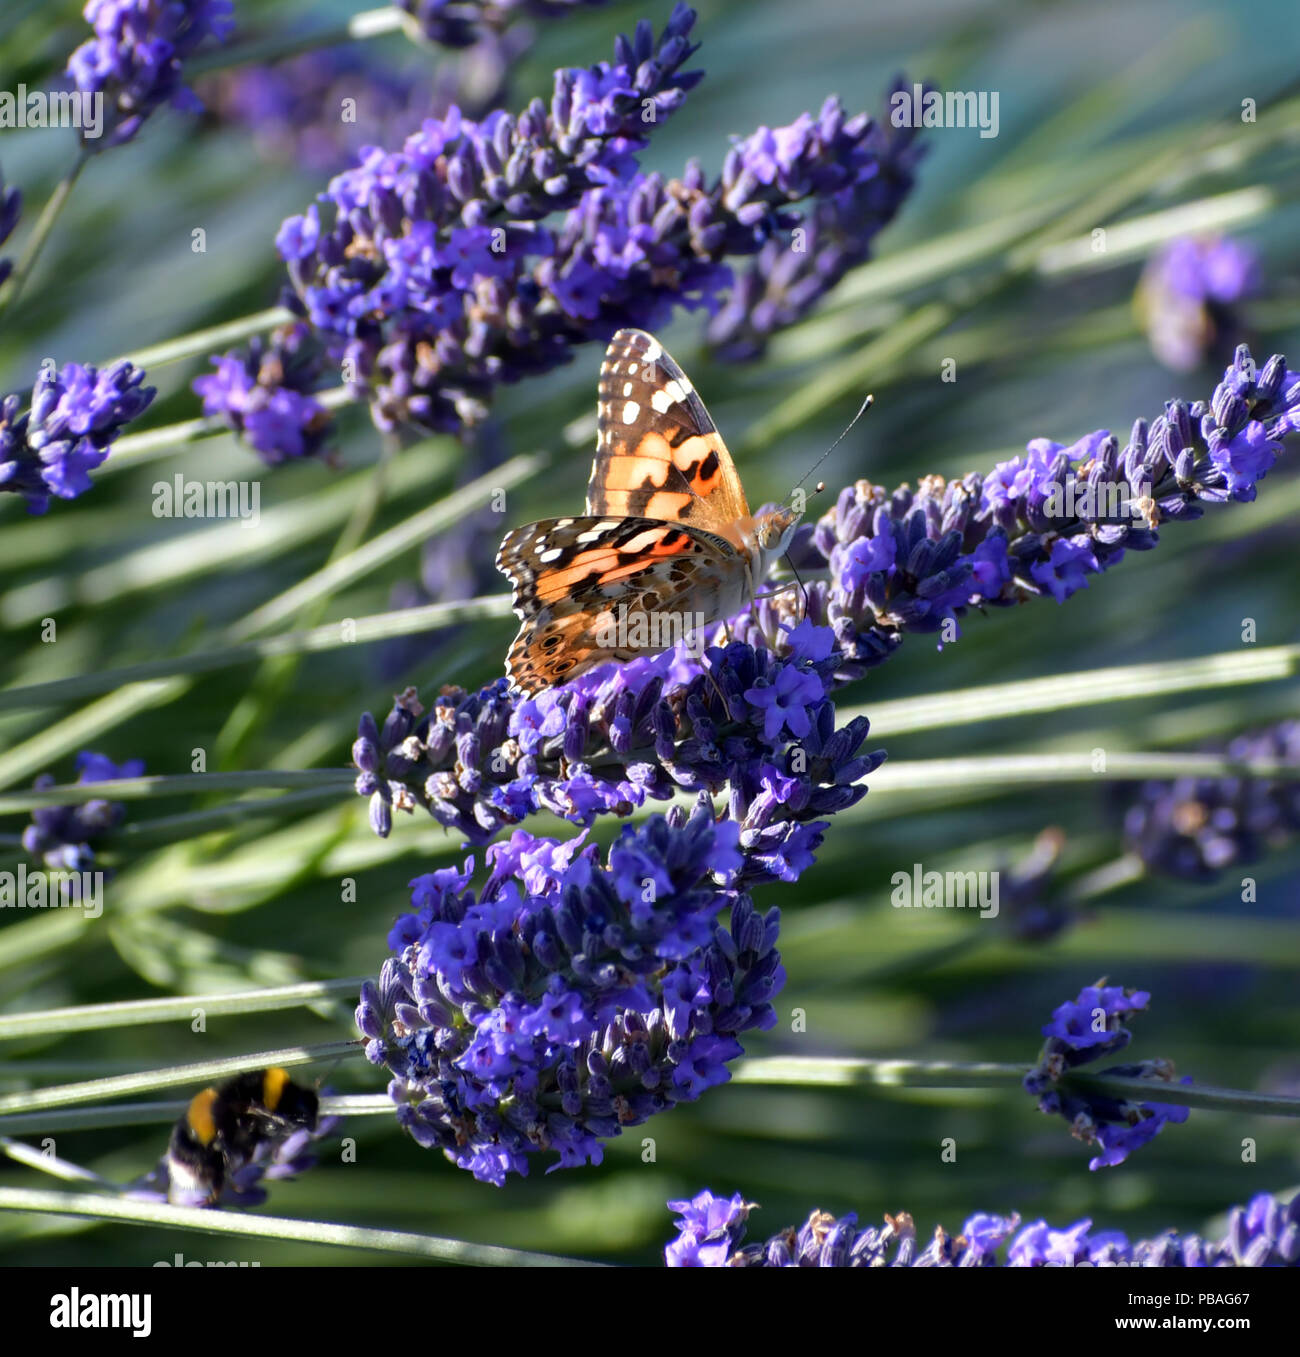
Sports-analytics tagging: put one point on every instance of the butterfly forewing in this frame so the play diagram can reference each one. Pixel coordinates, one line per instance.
(658, 454)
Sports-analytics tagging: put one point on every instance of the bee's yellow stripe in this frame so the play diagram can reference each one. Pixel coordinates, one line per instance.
(199, 1116)
(273, 1086)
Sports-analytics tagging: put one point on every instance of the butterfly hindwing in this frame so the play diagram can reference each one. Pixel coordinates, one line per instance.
(588, 590)
(560, 557)
(658, 454)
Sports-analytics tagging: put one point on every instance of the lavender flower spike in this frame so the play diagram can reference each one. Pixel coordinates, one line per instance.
(759, 729)
(62, 835)
(712, 1229)
(1084, 1030)
(430, 274)
(790, 275)
(264, 394)
(135, 60)
(1041, 525)
(1198, 827)
(75, 415)
(1188, 298)
(569, 998)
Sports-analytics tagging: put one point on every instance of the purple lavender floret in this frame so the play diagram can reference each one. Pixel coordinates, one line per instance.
(264, 394)
(465, 23)
(75, 415)
(11, 206)
(1197, 828)
(61, 836)
(1082, 1031)
(136, 58)
(571, 998)
(1189, 295)
(712, 1231)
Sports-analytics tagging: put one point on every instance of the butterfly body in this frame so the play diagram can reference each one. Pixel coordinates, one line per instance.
(667, 547)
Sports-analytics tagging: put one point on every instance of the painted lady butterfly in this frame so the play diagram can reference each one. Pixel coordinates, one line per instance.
(668, 537)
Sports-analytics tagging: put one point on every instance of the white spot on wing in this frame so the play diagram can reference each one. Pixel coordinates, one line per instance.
(630, 411)
(548, 556)
(653, 350)
(671, 393)
(627, 388)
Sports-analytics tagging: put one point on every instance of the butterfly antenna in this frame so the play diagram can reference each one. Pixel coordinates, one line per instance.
(862, 410)
(803, 588)
(712, 677)
(334, 1064)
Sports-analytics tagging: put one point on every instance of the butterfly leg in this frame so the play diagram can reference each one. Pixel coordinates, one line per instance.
(780, 589)
(717, 687)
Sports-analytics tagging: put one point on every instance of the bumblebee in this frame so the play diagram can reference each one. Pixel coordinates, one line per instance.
(225, 1127)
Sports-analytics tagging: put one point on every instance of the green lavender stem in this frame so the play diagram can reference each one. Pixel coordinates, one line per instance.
(199, 1221)
(176, 784)
(328, 636)
(177, 1008)
(176, 1076)
(26, 262)
(885, 1074)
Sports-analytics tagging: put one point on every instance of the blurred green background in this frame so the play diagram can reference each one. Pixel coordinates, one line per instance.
(1110, 113)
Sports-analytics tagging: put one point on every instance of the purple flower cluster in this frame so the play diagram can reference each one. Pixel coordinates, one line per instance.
(465, 23)
(1196, 828)
(11, 206)
(135, 60)
(264, 394)
(1029, 905)
(436, 279)
(1188, 294)
(788, 277)
(61, 835)
(569, 998)
(1038, 525)
(75, 415)
(711, 1233)
(1082, 1031)
(760, 728)
(420, 280)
